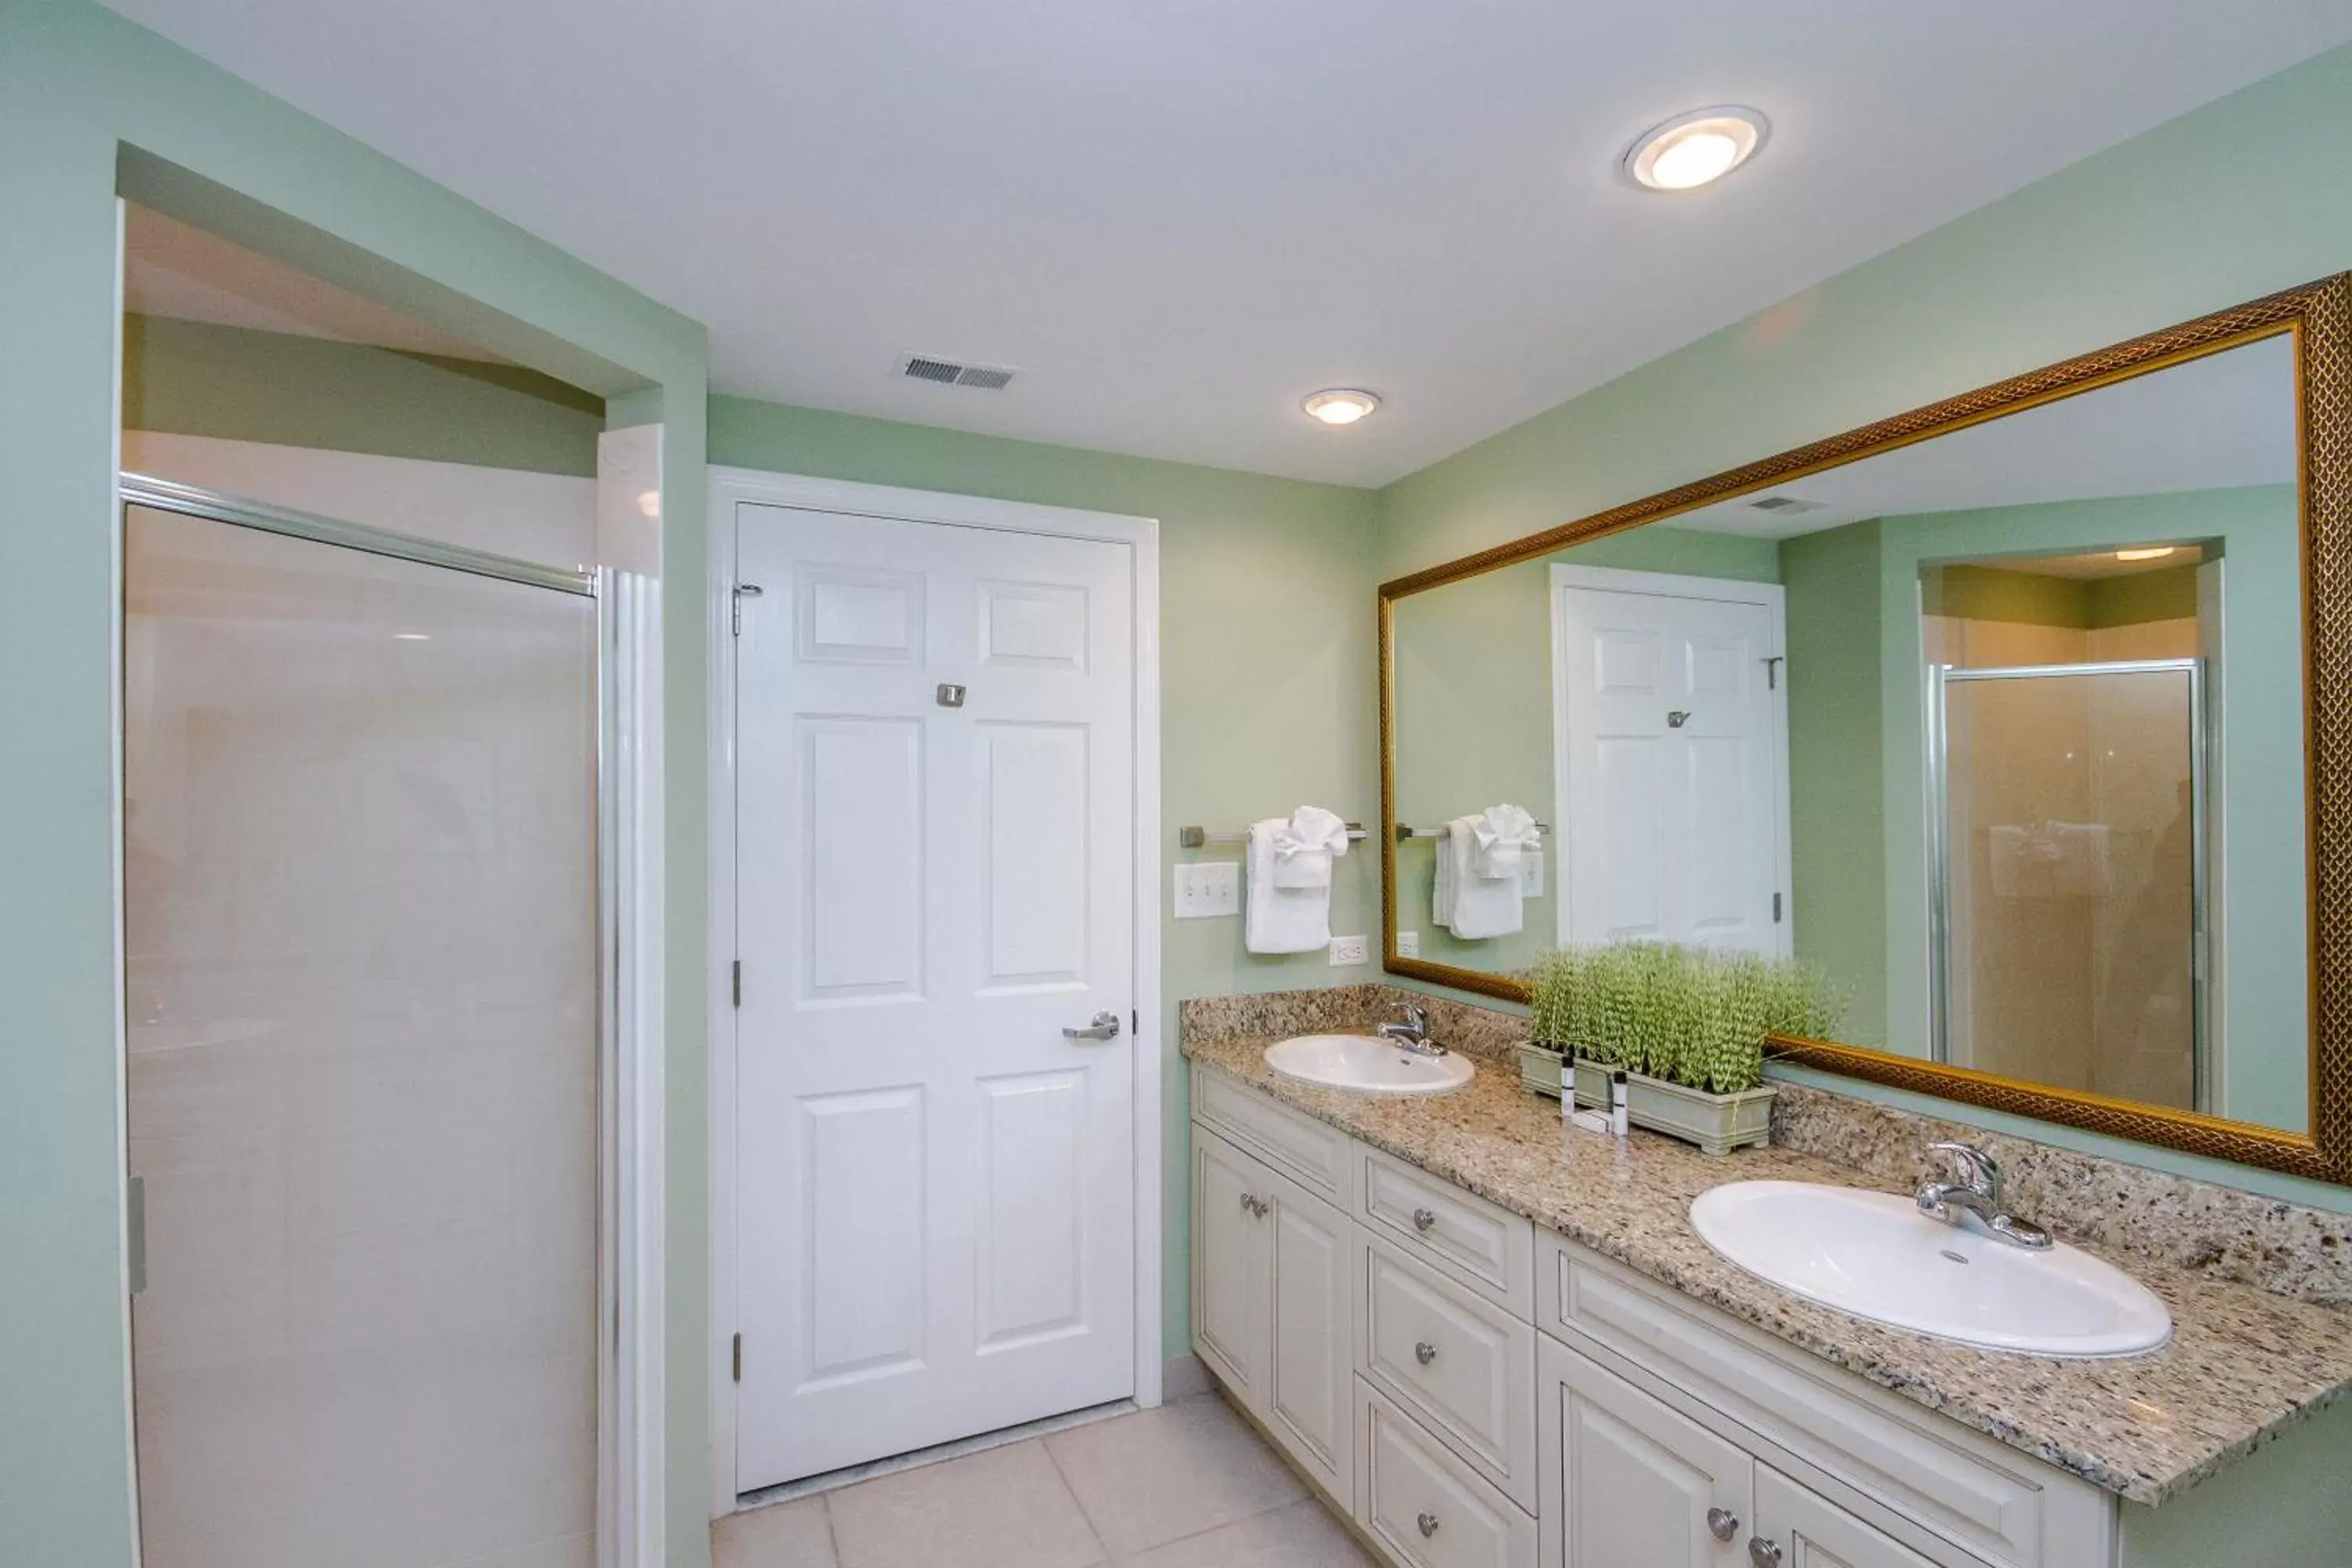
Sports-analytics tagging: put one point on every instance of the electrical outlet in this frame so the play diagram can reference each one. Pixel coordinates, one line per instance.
(1348, 949)
(1408, 944)
(1207, 889)
(1531, 880)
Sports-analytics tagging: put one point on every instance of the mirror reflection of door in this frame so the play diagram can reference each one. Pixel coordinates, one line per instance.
(1672, 737)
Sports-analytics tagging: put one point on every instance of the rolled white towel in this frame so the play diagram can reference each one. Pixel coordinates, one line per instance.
(1305, 846)
(1504, 834)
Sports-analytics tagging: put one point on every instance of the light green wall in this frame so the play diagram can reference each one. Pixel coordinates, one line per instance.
(1972, 593)
(190, 378)
(1267, 654)
(1837, 799)
(91, 104)
(2245, 197)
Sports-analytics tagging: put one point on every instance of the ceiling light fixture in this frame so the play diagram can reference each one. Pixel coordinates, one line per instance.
(2151, 553)
(1695, 149)
(1340, 406)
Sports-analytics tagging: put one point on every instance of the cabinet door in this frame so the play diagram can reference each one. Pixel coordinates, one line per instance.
(1796, 1528)
(1311, 1398)
(1628, 1482)
(1233, 1310)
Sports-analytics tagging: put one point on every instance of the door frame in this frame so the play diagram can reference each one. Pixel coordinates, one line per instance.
(1671, 585)
(731, 489)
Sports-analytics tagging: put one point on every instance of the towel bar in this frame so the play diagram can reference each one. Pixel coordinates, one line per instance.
(1403, 833)
(1200, 838)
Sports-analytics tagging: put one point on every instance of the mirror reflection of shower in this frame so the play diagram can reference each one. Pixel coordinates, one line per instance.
(2069, 739)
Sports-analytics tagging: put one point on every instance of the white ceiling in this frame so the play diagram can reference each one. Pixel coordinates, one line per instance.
(1177, 219)
(171, 269)
(2225, 420)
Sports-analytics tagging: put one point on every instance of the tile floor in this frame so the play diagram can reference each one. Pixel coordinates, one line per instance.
(1186, 1485)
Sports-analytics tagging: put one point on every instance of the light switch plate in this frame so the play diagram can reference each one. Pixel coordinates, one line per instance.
(1348, 949)
(1207, 889)
(1531, 873)
(1408, 944)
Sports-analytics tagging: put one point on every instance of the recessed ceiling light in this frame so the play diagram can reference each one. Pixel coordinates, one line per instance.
(1340, 406)
(2152, 552)
(1695, 149)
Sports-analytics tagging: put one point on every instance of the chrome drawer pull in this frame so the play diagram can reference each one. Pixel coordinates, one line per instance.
(1425, 1353)
(1722, 1523)
(1422, 1219)
(1428, 1523)
(1763, 1554)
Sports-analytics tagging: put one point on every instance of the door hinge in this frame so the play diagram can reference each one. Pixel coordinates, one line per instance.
(1134, 1021)
(1772, 673)
(738, 1357)
(736, 982)
(1776, 909)
(742, 591)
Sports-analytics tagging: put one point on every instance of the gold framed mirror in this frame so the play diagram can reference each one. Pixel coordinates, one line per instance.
(2025, 717)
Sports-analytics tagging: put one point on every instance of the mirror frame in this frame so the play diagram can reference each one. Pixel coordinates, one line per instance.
(2318, 316)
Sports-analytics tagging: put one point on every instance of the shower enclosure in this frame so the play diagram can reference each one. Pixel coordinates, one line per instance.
(2068, 859)
(370, 1083)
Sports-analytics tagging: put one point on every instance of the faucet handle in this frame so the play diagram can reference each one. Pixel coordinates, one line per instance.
(1975, 1168)
(1416, 1017)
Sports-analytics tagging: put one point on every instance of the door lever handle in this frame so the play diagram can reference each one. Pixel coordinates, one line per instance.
(1104, 1027)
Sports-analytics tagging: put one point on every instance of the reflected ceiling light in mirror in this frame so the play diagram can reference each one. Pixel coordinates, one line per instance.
(2150, 552)
(412, 636)
(1695, 149)
(1340, 406)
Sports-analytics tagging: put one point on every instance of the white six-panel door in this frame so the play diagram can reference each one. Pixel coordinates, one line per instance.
(935, 852)
(1671, 764)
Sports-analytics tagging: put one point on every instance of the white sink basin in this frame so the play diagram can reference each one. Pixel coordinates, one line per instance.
(1875, 1256)
(1368, 1065)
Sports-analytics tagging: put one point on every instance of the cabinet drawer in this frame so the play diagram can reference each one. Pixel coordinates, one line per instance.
(1304, 1150)
(1956, 1484)
(1490, 1249)
(1460, 1362)
(1426, 1507)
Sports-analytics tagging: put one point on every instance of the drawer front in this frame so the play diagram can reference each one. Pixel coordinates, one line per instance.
(1951, 1483)
(1426, 1507)
(1460, 1362)
(1315, 1156)
(1489, 1248)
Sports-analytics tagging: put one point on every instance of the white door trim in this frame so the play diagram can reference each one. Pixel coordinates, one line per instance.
(733, 488)
(1670, 584)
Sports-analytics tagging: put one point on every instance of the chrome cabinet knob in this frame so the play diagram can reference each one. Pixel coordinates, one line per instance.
(1722, 1523)
(1422, 1219)
(1425, 1353)
(1253, 1203)
(1428, 1523)
(1763, 1554)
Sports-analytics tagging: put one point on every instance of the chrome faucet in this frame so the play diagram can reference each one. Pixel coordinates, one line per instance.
(1413, 1033)
(1977, 1191)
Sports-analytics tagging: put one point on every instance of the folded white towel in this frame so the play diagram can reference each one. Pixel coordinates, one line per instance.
(1280, 918)
(1305, 846)
(1504, 835)
(1480, 906)
(2079, 861)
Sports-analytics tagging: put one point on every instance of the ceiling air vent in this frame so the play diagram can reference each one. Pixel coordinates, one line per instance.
(947, 372)
(1785, 505)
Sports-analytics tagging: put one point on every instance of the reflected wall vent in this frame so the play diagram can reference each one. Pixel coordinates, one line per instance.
(949, 372)
(1786, 506)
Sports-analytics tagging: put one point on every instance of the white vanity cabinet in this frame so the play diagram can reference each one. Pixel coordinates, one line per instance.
(1272, 1305)
(1475, 1392)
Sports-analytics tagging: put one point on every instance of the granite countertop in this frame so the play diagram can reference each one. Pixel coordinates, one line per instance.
(2243, 1366)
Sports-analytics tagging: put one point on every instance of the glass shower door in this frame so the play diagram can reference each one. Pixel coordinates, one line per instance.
(2070, 873)
(360, 935)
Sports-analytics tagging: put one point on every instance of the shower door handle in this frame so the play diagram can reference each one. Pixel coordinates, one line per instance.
(1104, 1027)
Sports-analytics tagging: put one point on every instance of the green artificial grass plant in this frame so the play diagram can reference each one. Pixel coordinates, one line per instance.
(1691, 1016)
